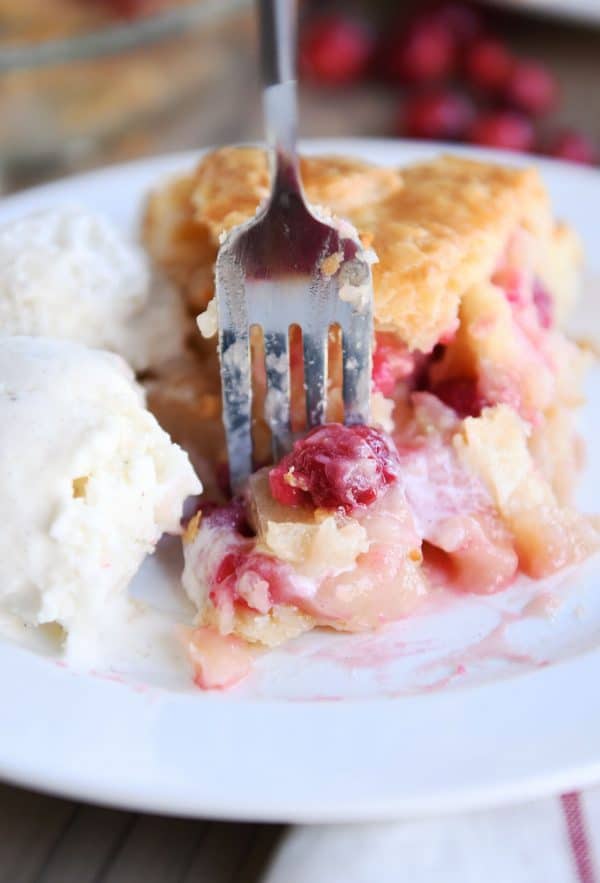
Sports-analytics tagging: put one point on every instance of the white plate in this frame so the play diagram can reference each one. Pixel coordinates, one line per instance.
(465, 704)
(576, 10)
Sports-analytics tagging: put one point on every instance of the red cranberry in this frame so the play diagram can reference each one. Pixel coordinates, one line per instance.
(228, 566)
(391, 362)
(462, 20)
(543, 304)
(334, 50)
(574, 147)
(506, 129)
(228, 579)
(443, 115)
(532, 87)
(336, 467)
(488, 65)
(461, 394)
(424, 52)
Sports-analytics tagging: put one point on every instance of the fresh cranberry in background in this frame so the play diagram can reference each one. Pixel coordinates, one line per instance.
(443, 114)
(443, 43)
(334, 50)
(574, 147)
(532, 87)
(504, 129)
(488, 65)
(462, 20)
(421, 53)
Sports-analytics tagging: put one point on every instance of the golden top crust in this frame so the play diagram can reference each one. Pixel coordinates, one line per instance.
(442, 233)
(179, 243)
(230, 184)
(438, 227)
(185, 216)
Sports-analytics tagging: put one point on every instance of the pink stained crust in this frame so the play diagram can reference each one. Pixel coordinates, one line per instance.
(219, 661)
(463, 537)
(389, 586)
(383, 586)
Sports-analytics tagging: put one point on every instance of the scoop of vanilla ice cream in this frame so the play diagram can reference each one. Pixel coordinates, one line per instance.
(89, 483)
(68, 273)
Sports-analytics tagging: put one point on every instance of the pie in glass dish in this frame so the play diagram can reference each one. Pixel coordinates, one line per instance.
(465, 477)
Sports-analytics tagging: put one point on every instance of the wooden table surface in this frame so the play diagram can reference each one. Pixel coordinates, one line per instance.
(48, 840)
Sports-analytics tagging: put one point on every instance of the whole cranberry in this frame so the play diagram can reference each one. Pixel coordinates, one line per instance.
(334, 50)
(532, 88)
(423, 52)
(505, 129)
(336, 467)
(574, 147)
(444, 114)
(462, 20)
(488, 65)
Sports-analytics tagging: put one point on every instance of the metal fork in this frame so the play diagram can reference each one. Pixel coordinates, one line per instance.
(288, 267)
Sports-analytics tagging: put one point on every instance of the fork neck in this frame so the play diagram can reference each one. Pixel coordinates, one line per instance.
(277, 45)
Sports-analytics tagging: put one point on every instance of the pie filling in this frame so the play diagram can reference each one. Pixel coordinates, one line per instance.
(355, 526)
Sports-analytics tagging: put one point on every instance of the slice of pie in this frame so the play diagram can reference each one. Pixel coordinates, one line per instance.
(465, 476)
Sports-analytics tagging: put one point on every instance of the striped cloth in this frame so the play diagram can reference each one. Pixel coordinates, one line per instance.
(550, 841)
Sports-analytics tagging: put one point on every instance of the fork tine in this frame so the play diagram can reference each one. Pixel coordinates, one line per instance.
(314, 341)
(277, 403)
(236, 377)
(357, 342)
(237, 404)
(285, 266)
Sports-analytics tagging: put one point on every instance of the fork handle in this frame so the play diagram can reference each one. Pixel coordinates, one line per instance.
(277, 50)
(277, 40)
